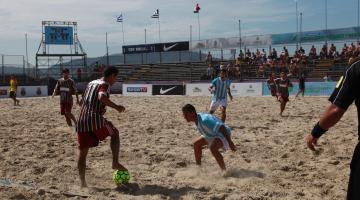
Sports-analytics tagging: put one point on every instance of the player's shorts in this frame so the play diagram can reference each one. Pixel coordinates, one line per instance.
(218, 103)
(354, 182)
(285, 98)
(273, 93)
(222, 138)
(65, 108)
(12, 94)
(92, 139)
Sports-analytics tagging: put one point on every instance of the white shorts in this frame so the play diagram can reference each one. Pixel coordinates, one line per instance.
(215, 104)
(223, 140)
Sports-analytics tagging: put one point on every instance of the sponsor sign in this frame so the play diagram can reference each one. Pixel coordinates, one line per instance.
(59, 35)
(246, 89)
(233, 42)
(311, 88)
(137, 89)
(26, 91)
(198, 89)
(158, 47)
(168, 90)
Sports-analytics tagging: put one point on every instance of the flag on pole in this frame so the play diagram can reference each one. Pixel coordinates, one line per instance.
(156, 14)
(197, 8)
(120, 18)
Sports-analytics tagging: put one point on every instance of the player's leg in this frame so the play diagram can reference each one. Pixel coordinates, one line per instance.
(223, 113)
(68, 118)
(282, 105)
(198, 145)
(354, 181)
(82, 165)
(213, 106)
(214, 148)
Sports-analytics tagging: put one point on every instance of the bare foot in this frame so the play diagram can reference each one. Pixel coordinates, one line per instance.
(118, 166)
(83, 184)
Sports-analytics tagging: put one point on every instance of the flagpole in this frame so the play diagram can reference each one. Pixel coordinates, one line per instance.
(199, 23)
(123, 37)
(159, 28)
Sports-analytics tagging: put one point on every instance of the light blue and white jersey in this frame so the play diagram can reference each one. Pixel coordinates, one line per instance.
(209, 125)
(220, 87)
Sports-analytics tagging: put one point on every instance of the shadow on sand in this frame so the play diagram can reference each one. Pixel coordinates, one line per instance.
(174, 193)
(243, 173)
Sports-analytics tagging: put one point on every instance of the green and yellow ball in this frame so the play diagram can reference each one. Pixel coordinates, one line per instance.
(121, 177)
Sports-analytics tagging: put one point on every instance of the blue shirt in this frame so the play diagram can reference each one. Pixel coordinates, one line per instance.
(221, 87)
(209, 125)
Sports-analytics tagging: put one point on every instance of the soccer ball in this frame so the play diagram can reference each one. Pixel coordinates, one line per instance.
(121, 177)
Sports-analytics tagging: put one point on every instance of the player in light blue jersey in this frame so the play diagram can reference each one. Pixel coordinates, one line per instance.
(220, 87)
(214, 134)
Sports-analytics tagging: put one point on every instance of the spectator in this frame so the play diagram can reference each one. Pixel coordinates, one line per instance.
(301, 50)
(263, 56)
(209, 72)
(273, 54)
(209, 58)
(324, 52)
(312, 53)
(241, 55)
(78, 74)
(261, 71)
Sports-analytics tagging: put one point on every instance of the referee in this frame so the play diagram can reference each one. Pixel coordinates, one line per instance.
(346, 92)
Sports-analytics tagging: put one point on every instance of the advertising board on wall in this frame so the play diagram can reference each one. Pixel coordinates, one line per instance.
(168, 90)
(197, 89)
(157, 47)
(246, 89)
(137, 89)
(311, 88)
(25, 91)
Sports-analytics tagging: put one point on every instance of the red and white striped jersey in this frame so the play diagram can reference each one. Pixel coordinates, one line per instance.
(92, 110)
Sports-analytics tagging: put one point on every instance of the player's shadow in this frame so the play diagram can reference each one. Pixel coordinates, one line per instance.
(173, 193)
(243, 173)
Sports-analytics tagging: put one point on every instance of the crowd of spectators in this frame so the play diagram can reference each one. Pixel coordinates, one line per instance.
(281, 62)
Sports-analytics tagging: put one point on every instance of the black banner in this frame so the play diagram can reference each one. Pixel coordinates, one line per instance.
(158, 47)
(168, 90)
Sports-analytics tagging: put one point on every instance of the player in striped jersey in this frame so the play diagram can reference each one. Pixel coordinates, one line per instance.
(214, 134)
(66, 88)
(92, 127)
(283, 83)
(220, 87)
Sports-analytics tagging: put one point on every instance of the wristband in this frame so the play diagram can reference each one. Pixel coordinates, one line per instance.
(317, 131)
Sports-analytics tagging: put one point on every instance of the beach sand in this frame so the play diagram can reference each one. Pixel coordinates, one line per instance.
(38, 152)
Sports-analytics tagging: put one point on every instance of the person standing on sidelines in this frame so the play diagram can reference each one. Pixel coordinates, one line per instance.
(301, 86)
(220, 88)
(92, 127)
(346, 92)
(13, 87)
(66, 88)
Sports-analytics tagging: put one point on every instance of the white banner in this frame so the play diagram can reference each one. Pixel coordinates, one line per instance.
(137, 89)
(246, 89)
(25, 91)
(226, 43)
(198, 89)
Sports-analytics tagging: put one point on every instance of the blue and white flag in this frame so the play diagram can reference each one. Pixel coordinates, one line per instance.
(120, 18)
(156, 14)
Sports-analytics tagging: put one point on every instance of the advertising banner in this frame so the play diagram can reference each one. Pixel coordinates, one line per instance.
(168, 90)
(158, 47)
(25, 91)
(233, 42)
(311, 88)
(198, 89)
(58, 35)
(137, 89)
(246, 89)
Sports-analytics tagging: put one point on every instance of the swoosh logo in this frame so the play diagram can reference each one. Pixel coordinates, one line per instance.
(167, 90)
(170, 47)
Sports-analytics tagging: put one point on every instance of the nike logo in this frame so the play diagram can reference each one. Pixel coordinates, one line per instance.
(167, 90)
(170, 47)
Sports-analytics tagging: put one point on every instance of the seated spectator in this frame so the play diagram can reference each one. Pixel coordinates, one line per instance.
(344, 50)
(324, 52)
(258, 54)
(273, 54)
(241, 55)
(263, 55)
(301, 50)
(312, 53)
(332, 51)
(261, 71)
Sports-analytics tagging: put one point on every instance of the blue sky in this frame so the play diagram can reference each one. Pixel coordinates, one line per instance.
(218, 19)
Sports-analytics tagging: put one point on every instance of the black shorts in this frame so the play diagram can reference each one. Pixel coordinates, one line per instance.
(354, 181)
(12, 94)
